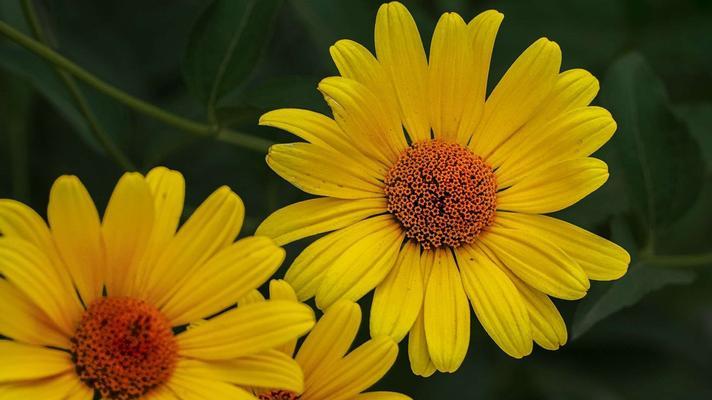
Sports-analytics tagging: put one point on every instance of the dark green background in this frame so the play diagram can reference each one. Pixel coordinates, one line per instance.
(650, 333)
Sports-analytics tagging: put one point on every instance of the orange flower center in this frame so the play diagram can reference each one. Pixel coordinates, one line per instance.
(442, 194)
(278, 395)
(123, 348)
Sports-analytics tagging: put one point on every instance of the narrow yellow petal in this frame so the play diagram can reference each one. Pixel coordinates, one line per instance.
(20, 221)
(76, 229)
(281, 290)
(126, 228)
(398, 300)
(229, 275)
(537, 262)
(361, 267)
(253, 296)
(381, 396)
(418, 354)
(23, 362)
(574, 134)
(400, 51)
(189, 385)
(269, 369)
(601, 259)
(516, 97)
(60, 387)
(446, 314)
(212, 227)
(160, 393)
(31, 272)
(323, 172)
(554, 187)
(246, 330)
(358, 371)
(315, 216)
(497, 303)
(330, 339)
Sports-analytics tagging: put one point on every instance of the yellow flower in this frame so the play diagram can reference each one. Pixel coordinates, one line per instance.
(452, 208)
(100, 305)
(330, 373)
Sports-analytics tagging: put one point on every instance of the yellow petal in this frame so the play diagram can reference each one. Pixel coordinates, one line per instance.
(537, 262)
(160, 393)
(400, 51)
(398, 300)
(212, 227)
(358, 371)
(497, 303)
(515, 98)
(281, 290)
(126, 228)
(253, 296)
(418, 354)
(81, 392)
(23, 362)
(381, 396)
(60, 387)
(229, 275)
(365, 118)
(323, 172)
(189, 385)
(247, 330)
(574, 88)
(315, 216)
(330, 339)
(23, 321)
(20, 221)
(30, 271)
(308, 269)
(601, 259)
(76, 229)
(446, 314)
(575, 134)
(361, 267)
(271, 368)
(554, 187)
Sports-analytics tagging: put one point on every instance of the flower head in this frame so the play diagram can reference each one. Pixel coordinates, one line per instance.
(452, 207)
(101, 306)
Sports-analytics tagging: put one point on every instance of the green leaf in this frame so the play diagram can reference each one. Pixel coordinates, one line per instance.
(225, 46)
(660, 160)
(606, 299)
(698, 117)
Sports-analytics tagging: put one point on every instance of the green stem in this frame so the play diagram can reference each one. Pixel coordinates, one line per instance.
(687, 260)
(190, 126)
(94, 126)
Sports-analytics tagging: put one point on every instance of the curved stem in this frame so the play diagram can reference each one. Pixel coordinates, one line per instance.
(94, 126)
(190, 126)
(686, 260)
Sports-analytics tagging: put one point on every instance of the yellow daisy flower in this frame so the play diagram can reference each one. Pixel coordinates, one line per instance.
(330, 373)
(92, 305)
(453, 208)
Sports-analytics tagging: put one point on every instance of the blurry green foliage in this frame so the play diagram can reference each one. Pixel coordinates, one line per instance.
(228, 61)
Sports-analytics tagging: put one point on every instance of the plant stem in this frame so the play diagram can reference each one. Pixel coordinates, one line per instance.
(686, 260)
(190, 126)
(94, 126)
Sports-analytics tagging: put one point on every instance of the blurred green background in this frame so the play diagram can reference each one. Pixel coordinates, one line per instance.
(647, 336)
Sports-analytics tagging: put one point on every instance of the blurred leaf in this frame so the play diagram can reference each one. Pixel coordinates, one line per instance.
(606, 299)
(660, 160)
(225, 45)
(15, 106)
(699, 119)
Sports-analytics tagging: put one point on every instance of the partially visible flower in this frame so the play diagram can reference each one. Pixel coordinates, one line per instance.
(95, 307)
(329, 372)
(451, 208)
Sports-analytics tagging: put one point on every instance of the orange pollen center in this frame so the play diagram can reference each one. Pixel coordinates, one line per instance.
(123, 348)
(441, 193)
(278, 395)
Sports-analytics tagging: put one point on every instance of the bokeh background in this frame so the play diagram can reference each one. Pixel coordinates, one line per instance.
(647, 336)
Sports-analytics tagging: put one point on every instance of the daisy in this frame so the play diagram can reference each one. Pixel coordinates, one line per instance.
(453, 207)
(329, 372)
(96, 307)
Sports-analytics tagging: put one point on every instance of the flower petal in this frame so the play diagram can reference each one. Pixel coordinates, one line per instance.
(362, 266)
(189, 385)
(381, 396)
(516, 97)
(315, 216)
(20, 221)
(229, 275)
(537, 262)
(76, 229)
(400, 51)
(246, 330)
(601, 259)
(58, 387)
(398, 300)
(126, 228)
(554, 187)
(446, 314)
(323, 172)
(23, 362)
(281, 290)
(358, 371)
(497, 303)
(418, 354)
